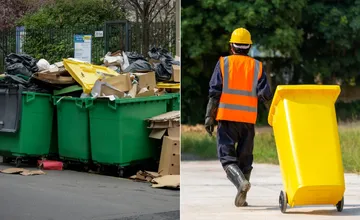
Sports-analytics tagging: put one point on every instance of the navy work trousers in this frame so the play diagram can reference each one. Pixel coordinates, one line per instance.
(228, 135)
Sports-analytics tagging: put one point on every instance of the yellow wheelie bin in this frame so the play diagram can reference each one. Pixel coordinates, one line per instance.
(305, 128)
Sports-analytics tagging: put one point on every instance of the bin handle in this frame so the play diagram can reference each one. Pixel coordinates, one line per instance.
(30, 97)
(112, 106)
(79, 103)
(89, 103)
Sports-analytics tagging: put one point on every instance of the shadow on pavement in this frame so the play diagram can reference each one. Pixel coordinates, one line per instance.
(349, 210)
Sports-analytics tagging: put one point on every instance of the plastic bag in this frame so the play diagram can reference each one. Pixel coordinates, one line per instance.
(133, 56)
(163, 69)
(43, 65)
(139, 66)
(126, 61)
(21, 64)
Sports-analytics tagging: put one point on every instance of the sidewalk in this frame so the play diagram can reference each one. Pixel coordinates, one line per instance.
(206, 193)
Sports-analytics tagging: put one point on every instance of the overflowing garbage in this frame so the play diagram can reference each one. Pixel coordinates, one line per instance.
(88, 115)
(122, 75)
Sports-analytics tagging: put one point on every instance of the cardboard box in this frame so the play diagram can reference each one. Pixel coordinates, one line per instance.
(144, 92)
(108, 90)
(121, 82)
(170, 156)
(175, 73)
(146, 80)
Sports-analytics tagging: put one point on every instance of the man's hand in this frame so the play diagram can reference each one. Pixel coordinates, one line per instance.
(209, 125)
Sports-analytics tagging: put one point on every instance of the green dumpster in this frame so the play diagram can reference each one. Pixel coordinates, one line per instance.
(174, 104)
(32, 138)
(73, 129)
(118, 129)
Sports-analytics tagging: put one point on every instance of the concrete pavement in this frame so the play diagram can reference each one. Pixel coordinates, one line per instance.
(206, 193)
(70, 195)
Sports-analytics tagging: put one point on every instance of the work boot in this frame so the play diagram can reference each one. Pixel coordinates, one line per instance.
(247, 177)
(235, 175)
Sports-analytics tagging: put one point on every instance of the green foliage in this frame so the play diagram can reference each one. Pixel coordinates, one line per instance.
(317, 37)
(67, 13)
(50, 31)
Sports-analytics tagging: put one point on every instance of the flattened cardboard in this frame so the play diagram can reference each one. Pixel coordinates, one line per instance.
(164, 124)
(147, 80)
(169, 181)
(169, 122)
(13, 170)
(175, 73)
(174, 132)
(32, 172)
(157, 133)
(170, 156)
(121, 82)
(166, 116)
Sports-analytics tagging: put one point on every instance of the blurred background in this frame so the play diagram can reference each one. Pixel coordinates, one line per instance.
(299, 42)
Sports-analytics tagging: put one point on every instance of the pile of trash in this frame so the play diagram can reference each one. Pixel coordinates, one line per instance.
(122, 75)
(161, 62)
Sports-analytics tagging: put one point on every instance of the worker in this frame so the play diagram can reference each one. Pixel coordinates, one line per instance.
(238, 81)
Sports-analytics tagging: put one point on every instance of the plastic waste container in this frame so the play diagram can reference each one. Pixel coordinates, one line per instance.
(118, 129)
(32, 138)
(174, 104)
(305, 128)
(73, 129)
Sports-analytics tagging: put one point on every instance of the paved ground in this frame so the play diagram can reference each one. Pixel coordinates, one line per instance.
(206, 193)
(62, 195)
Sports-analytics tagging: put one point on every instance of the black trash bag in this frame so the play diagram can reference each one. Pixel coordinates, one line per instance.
(133, 56)
(20, 64)
(28, 85)
(163, 69)
(158, 53)
(161, 73)
(139, 66)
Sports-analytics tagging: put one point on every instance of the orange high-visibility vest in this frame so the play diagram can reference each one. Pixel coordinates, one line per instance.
(239, 99)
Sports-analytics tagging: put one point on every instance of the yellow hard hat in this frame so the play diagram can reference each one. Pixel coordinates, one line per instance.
(241, 36)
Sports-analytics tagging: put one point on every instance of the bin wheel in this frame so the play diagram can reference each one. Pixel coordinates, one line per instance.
(18, 162)
(283, 202)
(65, 165)
(121, 172)
(86, 168)
(340, 205)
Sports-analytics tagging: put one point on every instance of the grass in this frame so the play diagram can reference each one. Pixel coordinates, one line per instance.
(196, 142)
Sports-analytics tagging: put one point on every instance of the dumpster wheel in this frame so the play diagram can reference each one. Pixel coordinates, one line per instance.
(18, 162)
(340, 205)
(283, 202)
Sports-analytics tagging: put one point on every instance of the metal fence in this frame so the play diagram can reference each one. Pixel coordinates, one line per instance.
(57, 43)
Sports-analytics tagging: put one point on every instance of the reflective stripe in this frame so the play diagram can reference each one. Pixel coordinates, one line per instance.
(255, 80)
(238, 107)
(240, 92)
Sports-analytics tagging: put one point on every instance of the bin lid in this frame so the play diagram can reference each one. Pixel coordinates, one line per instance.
(10, 108)
(87, 74)
(282, 91)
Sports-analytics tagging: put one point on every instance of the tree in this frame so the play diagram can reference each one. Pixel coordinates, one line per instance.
(148, 12)
(12, 10)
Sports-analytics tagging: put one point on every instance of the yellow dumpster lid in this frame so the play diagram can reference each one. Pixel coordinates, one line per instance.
(283, 90)
(87, 74)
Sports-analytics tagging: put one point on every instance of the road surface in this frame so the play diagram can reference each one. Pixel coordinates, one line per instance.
(206, 193)
(70, 195)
